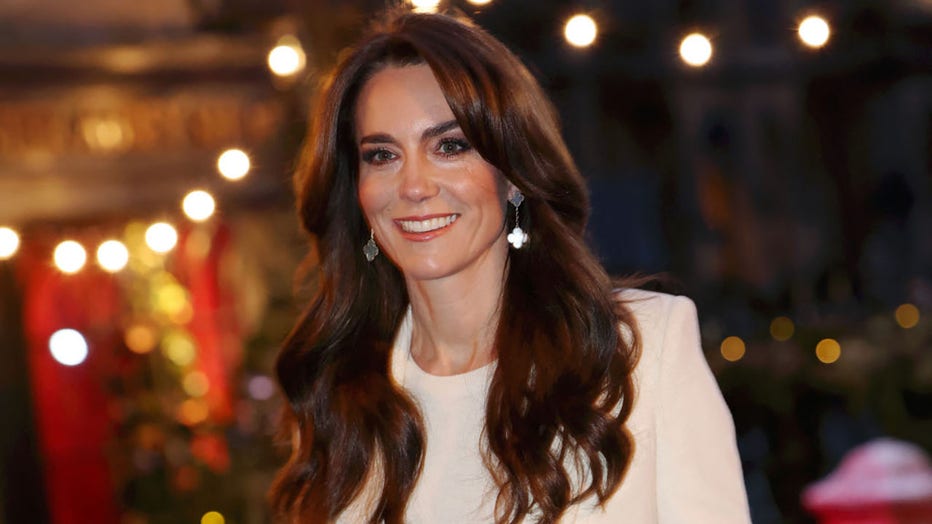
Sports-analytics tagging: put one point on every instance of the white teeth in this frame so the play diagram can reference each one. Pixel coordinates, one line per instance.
(423, 226)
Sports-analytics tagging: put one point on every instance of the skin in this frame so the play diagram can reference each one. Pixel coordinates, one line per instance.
(415, 164)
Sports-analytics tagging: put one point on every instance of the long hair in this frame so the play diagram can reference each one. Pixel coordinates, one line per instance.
(562, 388)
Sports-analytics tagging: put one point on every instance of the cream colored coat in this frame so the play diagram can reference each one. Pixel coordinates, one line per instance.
(685, 467)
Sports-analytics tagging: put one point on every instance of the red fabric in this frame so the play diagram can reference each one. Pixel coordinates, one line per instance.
(70, 402)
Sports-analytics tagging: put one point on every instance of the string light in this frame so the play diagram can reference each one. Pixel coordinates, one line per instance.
(814, 31)
(112, 256)
(161, 237)
(68, 347)
(199, 205)
(70, 257)
(696, 50)
(9, 243)
(287, 58)
(732, 349)
(233, 164)
(580, 30)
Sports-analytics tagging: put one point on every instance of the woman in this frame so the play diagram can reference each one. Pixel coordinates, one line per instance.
(466, 358)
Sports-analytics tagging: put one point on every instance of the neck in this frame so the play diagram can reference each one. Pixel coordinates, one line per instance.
(455, 319)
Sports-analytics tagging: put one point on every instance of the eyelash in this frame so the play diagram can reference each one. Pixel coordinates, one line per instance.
(372, 156)
(379, 156)
(461, 146)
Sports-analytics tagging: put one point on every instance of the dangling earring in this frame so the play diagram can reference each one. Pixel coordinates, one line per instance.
(517, 238)
(371, 249)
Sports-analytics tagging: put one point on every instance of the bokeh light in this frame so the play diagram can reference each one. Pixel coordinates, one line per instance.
(287, 57)
(9, 242)
(696, 50)
(828, 350)
(907, 316)
(179, 347)
(161, 237)
(193, 411)
(112, 255)
(233, 164)
(814, 31)
(195, 384)
(732, 349)
(68, 347)
(212, 517)
(580, 30)
(479, 2)
(70, 256)
(261, 387)
(425, 6)
(782, 328)
(140, 338)
(198, 205)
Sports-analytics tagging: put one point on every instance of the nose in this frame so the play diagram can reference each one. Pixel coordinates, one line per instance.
(417, 180)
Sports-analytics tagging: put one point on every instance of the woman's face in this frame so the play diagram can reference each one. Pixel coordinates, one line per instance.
(436, 206)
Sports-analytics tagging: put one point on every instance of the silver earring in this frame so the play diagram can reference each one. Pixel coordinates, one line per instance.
(371, 249)
(517, 238)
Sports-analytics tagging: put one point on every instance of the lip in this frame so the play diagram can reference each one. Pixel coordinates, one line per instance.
(427, 235)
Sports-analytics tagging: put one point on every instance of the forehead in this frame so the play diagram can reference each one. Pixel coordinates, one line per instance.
(400, 96)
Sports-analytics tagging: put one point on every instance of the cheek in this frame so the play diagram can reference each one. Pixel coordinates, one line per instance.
(372, 196)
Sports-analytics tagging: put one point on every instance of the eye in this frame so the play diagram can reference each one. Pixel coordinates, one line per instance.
(377, 156)
(453, 146)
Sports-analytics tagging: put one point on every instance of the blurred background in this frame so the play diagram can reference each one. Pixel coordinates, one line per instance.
(776, 167)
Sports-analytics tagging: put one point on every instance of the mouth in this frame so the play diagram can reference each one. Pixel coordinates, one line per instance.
(425, 225)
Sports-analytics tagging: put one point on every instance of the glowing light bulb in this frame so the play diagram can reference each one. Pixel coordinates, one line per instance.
(212, 517)
(287, 57)
(198, 205)
(68, 347)
(112, 256)
(732, 349)
(580, 30)
(9, 243)
(425, 6)
(696, 50)
(70, 257)
(814, 31)
(479, 2)
(161, 237)
(907, 316)
(233, 164)
(782, 328)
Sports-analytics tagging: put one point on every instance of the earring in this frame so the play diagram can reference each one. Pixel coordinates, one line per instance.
(517, 238)
(371, 249)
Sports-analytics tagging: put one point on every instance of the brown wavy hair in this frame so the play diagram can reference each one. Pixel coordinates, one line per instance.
(562, 388)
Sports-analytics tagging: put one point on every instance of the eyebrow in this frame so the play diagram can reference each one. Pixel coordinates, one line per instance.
(430, 132)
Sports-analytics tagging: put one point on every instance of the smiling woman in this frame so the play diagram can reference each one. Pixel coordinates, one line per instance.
(441, 375)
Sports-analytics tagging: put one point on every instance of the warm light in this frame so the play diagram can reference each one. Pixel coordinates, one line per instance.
(907, 316)
(112, 255)
(696, 50)
(732, 349)
(192, 411)
(140, 338)
(68, 347)
(814, 31)
(828, 350)
(103, 133)
(161, 237)
(261, 387)
(198, 205)
(212, 517)
(782, 328)
(233, 164)
(195, 384)
(425, 6)
(9, 243)
(580, 30)
(179, 347)
(287, 57)
(70, 256)
(171, 299)
(479, 2)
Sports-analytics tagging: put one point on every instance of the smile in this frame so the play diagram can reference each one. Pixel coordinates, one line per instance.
(426, 225)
